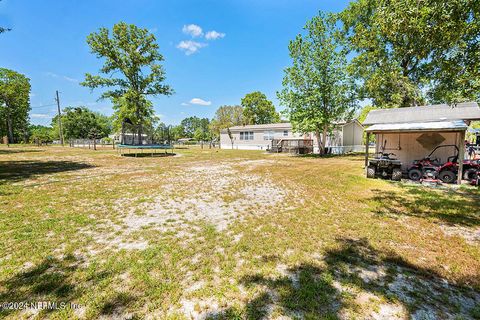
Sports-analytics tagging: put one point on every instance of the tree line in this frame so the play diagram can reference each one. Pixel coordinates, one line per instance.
(396, 53)
(82, 123)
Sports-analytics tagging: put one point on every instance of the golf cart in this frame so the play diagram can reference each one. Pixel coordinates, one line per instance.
(385, 165)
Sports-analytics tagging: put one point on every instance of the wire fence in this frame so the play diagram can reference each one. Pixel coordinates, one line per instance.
(91, 143)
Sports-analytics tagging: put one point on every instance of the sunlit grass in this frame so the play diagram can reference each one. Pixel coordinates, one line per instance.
(71, 230)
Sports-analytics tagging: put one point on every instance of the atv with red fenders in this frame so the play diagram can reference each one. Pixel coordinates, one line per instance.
(470, 169)
(431, 168)
(476, 179)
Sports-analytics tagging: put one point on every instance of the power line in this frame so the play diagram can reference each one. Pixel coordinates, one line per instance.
(44, 106)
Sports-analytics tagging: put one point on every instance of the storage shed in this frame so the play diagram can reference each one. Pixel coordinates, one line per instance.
(412, 133)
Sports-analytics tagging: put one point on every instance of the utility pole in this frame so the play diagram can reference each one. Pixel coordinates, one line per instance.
(60, 131)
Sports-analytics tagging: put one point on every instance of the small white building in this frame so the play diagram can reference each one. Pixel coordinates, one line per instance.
(412, 133)
(346, 137)
(128, 138)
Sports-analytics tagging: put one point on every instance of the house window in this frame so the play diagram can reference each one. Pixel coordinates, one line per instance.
(246, 135)
(268, 135)
(285, 133)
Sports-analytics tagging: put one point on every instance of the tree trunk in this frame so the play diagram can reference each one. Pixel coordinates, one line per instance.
(324, 139)
(122, 139)
(319, 142)
(9, 129)
(139, 125)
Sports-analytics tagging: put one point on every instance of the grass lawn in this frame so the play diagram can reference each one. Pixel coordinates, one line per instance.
(224, 234)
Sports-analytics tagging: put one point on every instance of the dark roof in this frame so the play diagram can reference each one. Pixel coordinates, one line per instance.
(437, 112)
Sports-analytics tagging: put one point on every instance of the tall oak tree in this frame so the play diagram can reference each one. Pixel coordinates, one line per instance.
(131, 52)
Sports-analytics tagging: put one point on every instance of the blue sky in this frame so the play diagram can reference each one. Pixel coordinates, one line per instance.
(47, 43)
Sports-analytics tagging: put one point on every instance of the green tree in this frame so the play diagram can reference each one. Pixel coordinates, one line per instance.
(177, 132)
(40, 134)
(362, 115)
(162, 132)
(132, 53)
(200, 135)
(257, 109)
(189, 125)
(78, 122)
(192, 124)
(225, 117)
(14, 104)
(364, 112)
(317, 90)
(94, 133)
(410, 50)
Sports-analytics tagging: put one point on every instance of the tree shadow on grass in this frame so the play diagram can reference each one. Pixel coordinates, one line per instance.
(148, 155)
(349, 273)
(51, 280)
(115, 306)
(14, 171)
(13, 151)
(451, 207)
(354, 156)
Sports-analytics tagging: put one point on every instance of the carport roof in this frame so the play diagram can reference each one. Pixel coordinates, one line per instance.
(438, 112)
(457, 125)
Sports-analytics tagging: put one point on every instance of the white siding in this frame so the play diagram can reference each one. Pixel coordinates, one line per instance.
(258, 142)
(336, 140)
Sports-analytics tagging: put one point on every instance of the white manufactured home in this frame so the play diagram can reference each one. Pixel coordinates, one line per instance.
(346, 137)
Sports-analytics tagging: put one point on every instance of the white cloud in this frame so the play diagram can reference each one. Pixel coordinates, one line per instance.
(200, 102)
(184, 104)
(190, 47)
(214, 35)
(192, 30)
(40, 116)
(70, 79)
(54, 75)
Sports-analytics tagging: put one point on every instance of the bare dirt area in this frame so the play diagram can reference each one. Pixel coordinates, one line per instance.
(210, 193)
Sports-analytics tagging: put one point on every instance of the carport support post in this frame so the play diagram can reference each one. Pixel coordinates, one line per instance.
(367, 139)
(461, 156)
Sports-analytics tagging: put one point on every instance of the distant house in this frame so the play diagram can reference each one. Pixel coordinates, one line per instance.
(346, 137)
(183, 140)
(129, 138)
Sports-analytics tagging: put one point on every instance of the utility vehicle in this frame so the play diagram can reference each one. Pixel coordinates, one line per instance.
(385, 166)
(432, 168)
